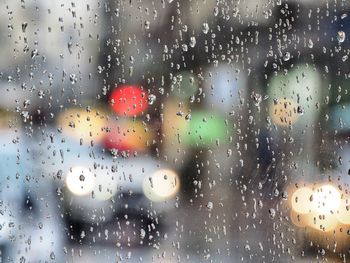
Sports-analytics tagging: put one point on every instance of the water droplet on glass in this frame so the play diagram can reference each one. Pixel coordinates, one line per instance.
(41, 94)
(151, 99)
(285, 195)
(210, 206)
(341, 36)
(73, 78)
(24, 27)
(216, 11)
(193, 42)
(310, 44)
(205, 28)
(82, 178)
(286, 56)
(300, 110)
(114, 152)
(35, 53)
(147, 24)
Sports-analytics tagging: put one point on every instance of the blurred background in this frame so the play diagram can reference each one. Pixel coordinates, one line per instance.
(174, 131)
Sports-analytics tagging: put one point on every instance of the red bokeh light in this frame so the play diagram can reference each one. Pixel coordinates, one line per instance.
(129, 100)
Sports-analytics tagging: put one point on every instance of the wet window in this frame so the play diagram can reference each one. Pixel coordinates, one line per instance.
(174, 131)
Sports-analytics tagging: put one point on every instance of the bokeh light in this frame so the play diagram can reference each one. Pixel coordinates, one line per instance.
(205, 128)
(284, 112)
(128, 135)
(129, 100)
(326, 200)
(301, 200)
(80, 181)
(343, 214)
(83, 124)
(161, 185)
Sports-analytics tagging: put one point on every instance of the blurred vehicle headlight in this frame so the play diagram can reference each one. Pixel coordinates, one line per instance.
(324, 222)
(326, 200)
(317, 208)
(161, 185)
(301, 200)
(80, 181)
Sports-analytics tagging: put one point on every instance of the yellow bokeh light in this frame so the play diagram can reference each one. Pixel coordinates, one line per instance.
(284, 112)
(323, 223)
(301, 200)
(326, 200)
(83, 124)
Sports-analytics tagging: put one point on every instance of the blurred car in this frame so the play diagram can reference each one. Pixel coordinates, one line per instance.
(107, 194)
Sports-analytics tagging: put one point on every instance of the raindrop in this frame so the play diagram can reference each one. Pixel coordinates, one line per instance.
(341, 36)
(24, 27)
(147, 24)
(151, 99)
(216, 11)
(300, 110)
(286, 56)
(210, 206)
(285, 195)
(73, 78)
(41, 94)
(205, 28)
(82, 178)
(193, 42)
(310, 44)
(184, 47)
(188, 117)
(35, 53)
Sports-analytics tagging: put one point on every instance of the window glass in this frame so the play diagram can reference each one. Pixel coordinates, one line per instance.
(174, 131)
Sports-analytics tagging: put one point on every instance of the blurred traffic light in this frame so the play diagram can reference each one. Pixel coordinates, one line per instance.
(129, 100)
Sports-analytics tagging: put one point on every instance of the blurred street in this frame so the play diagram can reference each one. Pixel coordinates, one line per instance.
(174, 131)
